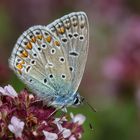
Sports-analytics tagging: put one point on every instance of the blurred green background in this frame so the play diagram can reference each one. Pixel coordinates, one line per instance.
(111, 81)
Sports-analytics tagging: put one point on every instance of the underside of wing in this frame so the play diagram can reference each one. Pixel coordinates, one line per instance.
(39, 61)
(73, 32)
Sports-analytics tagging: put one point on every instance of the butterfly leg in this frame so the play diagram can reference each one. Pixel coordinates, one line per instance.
(56, 111)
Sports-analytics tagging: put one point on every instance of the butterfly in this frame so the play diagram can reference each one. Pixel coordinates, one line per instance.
(51, 59)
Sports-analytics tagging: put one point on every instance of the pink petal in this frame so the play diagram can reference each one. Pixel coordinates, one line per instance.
(21, 124)
(79, 118)
(15, 121)
(58, 123)
(2, 90)
(66, 133)
(11, 128)
(10, 91)
(72, 138)
(50, 136)
(16, 126)
(15, 131)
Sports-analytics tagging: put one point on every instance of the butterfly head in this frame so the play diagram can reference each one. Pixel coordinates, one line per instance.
(68, 100)
(77, 99)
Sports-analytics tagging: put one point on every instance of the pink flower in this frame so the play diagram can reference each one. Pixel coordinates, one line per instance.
(72, 138)
(124, 66)
(16, 126)
(8, 91)
(50, 136)
(38, 120)
(79, 118)
(113, 68)
(65, 132)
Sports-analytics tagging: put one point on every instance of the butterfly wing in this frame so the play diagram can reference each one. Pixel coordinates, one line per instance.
(73, 31)
(39, 62)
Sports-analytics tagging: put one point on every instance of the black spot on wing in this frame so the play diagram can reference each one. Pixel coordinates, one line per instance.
(73, 53)
(45, 80)
(64, 40)
(70, 36)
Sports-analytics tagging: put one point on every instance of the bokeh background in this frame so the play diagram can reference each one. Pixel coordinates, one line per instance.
(111, 81)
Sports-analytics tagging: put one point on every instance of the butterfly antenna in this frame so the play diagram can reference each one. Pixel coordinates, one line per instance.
(93, 109)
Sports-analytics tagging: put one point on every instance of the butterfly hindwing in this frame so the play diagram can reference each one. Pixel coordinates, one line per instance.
(73, 30)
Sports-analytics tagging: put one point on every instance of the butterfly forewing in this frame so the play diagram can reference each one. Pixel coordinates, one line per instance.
(73, 32)
(40, 62)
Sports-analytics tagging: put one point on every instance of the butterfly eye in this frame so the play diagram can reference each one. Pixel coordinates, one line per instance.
(76, 101)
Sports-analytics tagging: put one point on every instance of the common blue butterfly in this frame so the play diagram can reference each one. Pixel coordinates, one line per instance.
(51, 59)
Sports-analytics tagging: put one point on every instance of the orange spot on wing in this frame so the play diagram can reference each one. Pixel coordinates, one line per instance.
(48, 39)
(19, 66)
(29, 46)
(24, 53)
(61, 30)
(33, 39)
(40, 37)
(23, 62)
(57, 43)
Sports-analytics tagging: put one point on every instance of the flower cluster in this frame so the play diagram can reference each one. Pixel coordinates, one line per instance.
(124, 65)
(24, 117)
